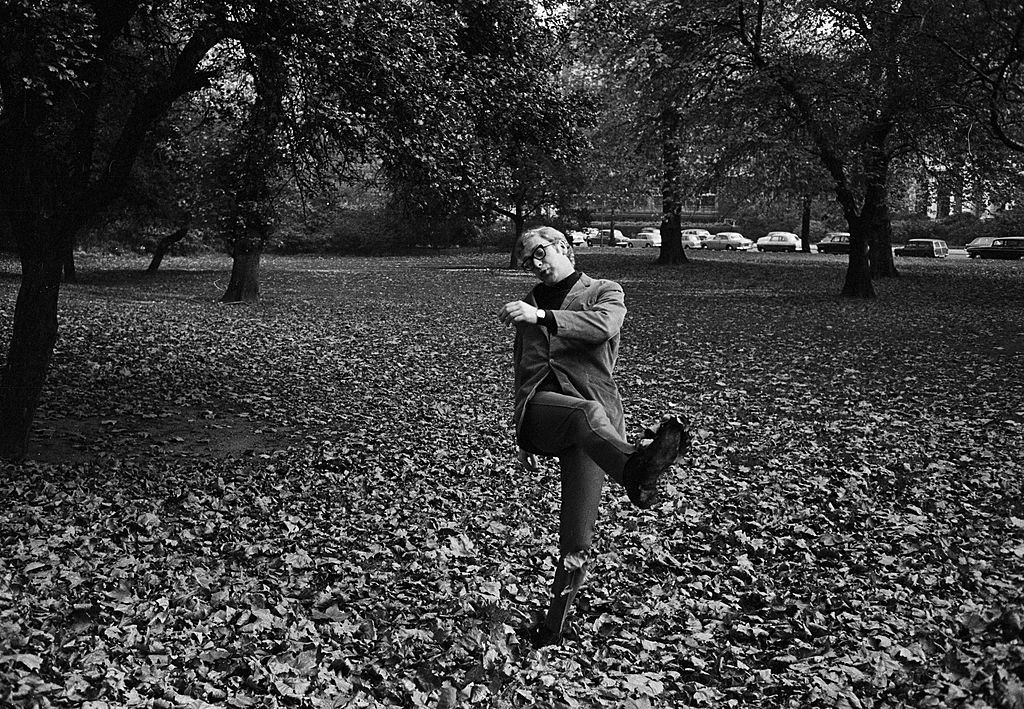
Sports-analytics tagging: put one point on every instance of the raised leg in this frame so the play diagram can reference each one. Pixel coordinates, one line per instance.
(555, 424)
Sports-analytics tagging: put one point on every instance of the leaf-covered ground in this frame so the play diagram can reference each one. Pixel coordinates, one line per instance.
(313, 501)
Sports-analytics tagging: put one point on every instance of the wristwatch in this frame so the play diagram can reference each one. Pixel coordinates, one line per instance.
(540, 315)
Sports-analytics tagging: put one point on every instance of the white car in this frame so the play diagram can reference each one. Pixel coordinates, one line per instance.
(728, 241)
(702, 235)
(692, 241)
(779, 241)
(577, 238)
(647, 237)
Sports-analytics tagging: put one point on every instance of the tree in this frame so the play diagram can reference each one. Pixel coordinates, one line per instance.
(531, 126)
(164, 244)
(497, 133)
(984, 42)
(257, 157)
(672, 155)
(68, 71)
(850, 80)
(616, 172)
(640, 144)
(776, 180)
(702, 134)
(60, 66)
(537, 161)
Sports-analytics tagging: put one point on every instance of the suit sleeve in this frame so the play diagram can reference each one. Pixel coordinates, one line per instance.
(600, 322)
(517, 355)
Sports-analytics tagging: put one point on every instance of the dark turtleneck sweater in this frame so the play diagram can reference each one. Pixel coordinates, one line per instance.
(551, 297)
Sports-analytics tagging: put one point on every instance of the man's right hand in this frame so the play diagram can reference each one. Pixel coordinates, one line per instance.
(529, 461)
(517, 311)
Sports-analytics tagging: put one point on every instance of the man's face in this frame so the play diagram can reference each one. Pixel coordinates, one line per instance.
(548, 262)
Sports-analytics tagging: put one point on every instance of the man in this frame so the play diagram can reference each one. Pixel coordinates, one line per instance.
(567, 405)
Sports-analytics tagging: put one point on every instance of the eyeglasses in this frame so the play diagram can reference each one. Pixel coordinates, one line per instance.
(536, 255)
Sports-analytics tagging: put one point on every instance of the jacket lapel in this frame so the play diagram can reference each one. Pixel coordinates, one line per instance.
(576, 291)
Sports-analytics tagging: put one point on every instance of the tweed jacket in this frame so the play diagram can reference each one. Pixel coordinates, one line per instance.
(581, 354)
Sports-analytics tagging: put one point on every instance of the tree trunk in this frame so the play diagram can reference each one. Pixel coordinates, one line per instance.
(244, 286)
(165, 243)
(880, 257)
(978, 198)
(32, 341)
(858, 278)
(45, 199)
(958, 192)
(518, 220)
(672, 234)
(876, 161)
(922, 196)
(671, 204)
(858, 270)
(70, 275)
(28, 201)
(805, 226)
(858, 273)
(942, 197)
(875, 216)
(518, 226)
(258, 164)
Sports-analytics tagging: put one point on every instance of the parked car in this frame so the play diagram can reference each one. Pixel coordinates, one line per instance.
(728, 241)
(1008, 247)
(929, 248)
(692, 241)
(577, 238)
(604, 237)
(975, 247)
(779, 241)
(835, 242)
(647, 237)
(701, 234)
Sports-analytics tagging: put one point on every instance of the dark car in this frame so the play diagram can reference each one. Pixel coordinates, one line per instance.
(835, 242)
(1008, 247)
(929, 248)
(976, 245)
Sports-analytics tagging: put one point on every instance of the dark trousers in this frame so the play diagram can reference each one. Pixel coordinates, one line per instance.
(588, 447)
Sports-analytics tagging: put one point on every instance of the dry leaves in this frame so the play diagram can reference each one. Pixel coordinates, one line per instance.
(314, 501)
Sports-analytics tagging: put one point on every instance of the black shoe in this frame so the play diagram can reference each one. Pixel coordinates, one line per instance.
(651, 431)
(645, 467)
(539, 635)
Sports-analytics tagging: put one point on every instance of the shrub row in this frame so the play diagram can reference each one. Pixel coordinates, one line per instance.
(958, 229)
